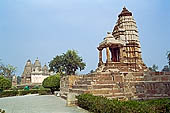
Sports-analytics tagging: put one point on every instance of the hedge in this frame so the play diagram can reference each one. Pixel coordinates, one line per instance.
(44, 92)
(98, 104)
(9, 93)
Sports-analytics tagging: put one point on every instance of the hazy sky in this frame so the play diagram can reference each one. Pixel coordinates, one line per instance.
(46, 28)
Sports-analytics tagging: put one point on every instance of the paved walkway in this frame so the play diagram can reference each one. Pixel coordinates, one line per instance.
(37, 104)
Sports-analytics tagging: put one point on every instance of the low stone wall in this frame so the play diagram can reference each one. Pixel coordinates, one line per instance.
(125, 85)
(66, 83)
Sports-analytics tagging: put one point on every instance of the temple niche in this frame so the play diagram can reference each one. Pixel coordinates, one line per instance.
(123, 50)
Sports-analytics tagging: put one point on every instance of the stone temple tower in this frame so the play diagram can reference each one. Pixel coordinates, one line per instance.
(123, 49)
(34, 73)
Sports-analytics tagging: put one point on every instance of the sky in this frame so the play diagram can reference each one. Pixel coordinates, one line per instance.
(46, 28)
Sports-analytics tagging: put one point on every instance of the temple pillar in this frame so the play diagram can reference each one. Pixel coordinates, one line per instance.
(100, 58)
(108, 55)
(121, 55)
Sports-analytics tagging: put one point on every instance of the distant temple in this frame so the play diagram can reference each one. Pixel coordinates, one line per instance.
(34, 73)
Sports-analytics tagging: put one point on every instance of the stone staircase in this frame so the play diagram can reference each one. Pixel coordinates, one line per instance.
(97, 84)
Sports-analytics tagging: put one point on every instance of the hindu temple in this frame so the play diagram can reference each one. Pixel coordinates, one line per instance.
(123, 75)
(122, 46)
(34, 73)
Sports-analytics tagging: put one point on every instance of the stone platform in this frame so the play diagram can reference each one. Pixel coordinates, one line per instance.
(127, 85)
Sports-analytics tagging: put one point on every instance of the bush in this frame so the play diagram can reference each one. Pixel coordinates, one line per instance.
(44, 92)
(8, 93)
(2, 111)
(4, 83)
(25, 92)
(13, 88)
(36, 87)
(52, 82)
(103, 105)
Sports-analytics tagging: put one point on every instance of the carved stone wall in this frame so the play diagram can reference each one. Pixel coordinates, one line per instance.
(132, 85)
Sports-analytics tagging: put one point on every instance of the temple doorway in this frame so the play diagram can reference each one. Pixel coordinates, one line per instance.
(115, 54)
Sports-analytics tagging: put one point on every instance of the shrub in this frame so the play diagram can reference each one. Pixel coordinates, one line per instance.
(8, 93)
(25, 92)
(2, 111)
(4, 83)
(44, 92)
(103, 105)
(13, 88)
(36, 87)
(52, 82)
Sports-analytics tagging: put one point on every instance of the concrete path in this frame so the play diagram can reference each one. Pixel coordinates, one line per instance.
(37, 104)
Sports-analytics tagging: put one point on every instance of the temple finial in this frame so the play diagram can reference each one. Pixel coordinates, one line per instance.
(125, 12)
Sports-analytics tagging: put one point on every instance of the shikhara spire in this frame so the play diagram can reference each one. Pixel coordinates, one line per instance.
(123, 48)
(34, 73)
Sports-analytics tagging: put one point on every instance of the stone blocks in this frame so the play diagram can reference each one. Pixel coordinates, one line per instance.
(129, 85)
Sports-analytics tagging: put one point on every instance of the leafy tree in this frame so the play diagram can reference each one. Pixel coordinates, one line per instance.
(67, 63)
(18, 79)
(168, 57)
(166, 69)
(7, 70)
(4, 83)
(52, 82)
(154, 68)
(91, 71)
(57, 63)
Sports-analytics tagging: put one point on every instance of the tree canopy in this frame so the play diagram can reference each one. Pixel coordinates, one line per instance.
(168, 57)
(67, 63)
(154, 68)
(4, 83)
(167, 67)
(52, 82)
(7, 70)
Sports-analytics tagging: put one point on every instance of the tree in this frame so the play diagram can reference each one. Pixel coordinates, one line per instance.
(91, 71)
(18, 79)
(154, 68)
(166, 68)
(7, 70)
(67, 63)
(56, 64)
(52, 82)
(4, 83)
(168, 57)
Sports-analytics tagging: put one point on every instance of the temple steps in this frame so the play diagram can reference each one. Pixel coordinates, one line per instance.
(79, 91)
(105, 82)
(101, 86)
(81, 87)
(102, 91)
(83, 82)
(104, 95)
